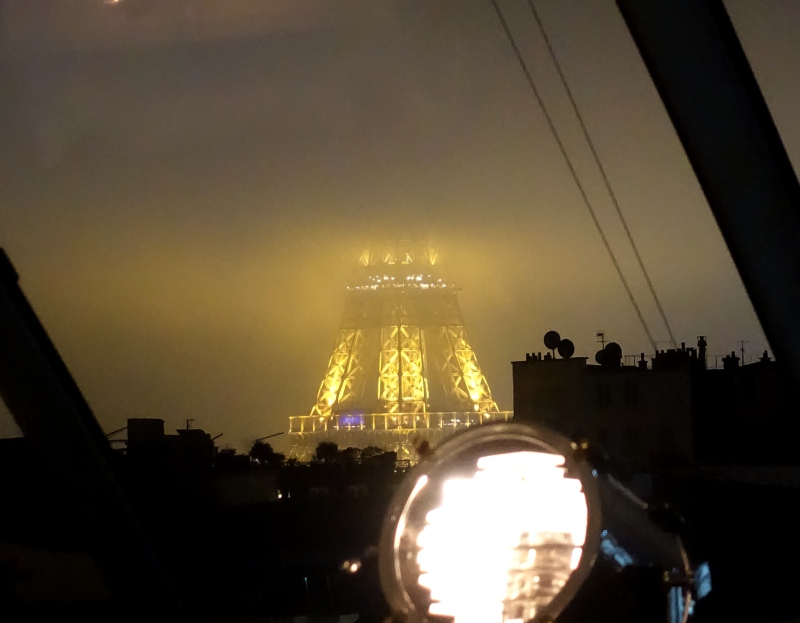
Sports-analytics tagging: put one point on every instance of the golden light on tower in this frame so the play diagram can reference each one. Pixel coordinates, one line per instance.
(402, 366)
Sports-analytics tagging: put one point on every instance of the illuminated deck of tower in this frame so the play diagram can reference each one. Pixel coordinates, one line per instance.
(402, 368)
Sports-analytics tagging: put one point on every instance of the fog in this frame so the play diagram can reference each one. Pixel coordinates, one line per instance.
(185, 188)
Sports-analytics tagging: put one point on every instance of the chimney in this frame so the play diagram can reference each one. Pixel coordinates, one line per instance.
(731, 362)
(701, 347)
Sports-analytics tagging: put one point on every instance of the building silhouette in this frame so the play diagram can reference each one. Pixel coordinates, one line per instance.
(186, 455)
(668, 411)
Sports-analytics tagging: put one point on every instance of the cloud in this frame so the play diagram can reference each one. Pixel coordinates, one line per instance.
(57, 25)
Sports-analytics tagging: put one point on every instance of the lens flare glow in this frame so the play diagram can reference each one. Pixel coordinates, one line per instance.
(503, 543)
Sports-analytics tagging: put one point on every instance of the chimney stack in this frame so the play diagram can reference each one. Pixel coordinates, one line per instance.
(701, 347)
(731, 362)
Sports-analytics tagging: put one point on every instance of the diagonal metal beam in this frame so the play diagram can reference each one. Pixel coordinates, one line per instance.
(50, 410)
(703, 77)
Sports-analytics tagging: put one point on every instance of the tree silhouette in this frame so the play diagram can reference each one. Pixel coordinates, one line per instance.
(326, 452)
(261, 451)
(263, 454)
(227, 459)
(349, 456)
(371, 452)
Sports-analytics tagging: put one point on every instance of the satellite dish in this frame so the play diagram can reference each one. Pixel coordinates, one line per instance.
(601, 357)
(552, 339)
(566, 348)
(613, 354)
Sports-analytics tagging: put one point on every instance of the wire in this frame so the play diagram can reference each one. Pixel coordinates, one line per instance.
(572, 171)
(603, 174)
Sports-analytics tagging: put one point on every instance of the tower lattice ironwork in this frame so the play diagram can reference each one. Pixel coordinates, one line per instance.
(402, 368)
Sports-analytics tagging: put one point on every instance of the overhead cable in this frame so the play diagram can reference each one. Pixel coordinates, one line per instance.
(523, 65)
(603, 174)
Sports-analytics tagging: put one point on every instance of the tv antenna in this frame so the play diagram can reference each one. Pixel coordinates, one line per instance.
(601, 338)
(741, 349)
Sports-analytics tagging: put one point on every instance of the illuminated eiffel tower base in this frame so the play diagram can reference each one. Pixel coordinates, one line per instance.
(402, 369)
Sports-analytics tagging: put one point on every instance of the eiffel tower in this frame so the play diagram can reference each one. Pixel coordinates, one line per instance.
(402, 368)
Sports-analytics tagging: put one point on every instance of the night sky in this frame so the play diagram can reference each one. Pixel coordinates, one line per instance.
(186, 185)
